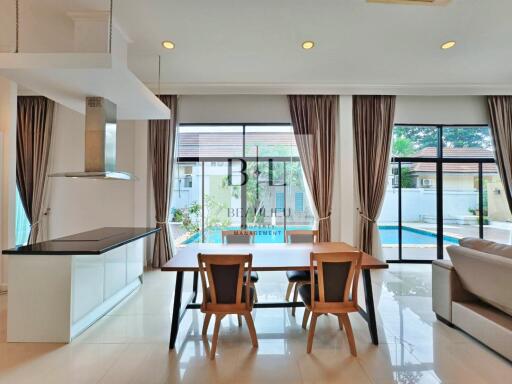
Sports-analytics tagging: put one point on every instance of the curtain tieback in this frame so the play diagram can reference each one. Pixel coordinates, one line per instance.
(34, 224)
(161, 222)
(325, 218)
(365, 217)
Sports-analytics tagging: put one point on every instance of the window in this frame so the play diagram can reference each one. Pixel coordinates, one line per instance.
(188, 181)
(280, 201)
(443, 185)
(299, 202)
(22, 226)
(235, 176)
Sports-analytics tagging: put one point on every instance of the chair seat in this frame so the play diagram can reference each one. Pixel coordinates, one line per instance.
(254, 277)
(251, 296)
(305, 293)
(295, 276)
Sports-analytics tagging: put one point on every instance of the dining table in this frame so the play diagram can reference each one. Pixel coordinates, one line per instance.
(265, 257)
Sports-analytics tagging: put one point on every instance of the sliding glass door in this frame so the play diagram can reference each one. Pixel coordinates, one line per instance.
(443, 186)
(237, 176)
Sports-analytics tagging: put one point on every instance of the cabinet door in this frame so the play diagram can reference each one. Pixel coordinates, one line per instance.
(115, 270)
(87, 291)
(135, 260)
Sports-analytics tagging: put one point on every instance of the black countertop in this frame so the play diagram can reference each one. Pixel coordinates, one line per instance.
(93, 242)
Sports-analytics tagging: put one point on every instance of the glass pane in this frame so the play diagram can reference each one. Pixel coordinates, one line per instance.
(266, 201)
(497, 217)
(414, 140)
(419, 211)
(467, 142)
(209, 141)
(299, 214)
(22, 225)
(185, 216)
(460, 202)
(388, 219)
(223, 188)
(270, 141)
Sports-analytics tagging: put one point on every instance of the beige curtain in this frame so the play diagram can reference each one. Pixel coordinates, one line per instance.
(314, 120)
(162, 134)
(500, 111)
(33, 138)
(373, 128)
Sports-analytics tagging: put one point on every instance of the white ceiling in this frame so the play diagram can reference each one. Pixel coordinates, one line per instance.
(249, 46)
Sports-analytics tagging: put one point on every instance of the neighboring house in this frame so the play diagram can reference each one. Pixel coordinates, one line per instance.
(463, 177)
(456, 176)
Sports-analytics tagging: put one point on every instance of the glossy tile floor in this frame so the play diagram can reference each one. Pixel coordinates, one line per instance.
(130, 344)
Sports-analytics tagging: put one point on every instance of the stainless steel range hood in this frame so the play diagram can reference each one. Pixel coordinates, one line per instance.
(100, 142)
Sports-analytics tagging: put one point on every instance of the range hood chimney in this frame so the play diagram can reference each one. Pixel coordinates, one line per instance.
(100, 142)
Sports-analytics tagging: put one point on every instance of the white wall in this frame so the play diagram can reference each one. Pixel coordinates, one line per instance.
(234, 109)
(81, 204)
(8, 108)
(343, 216)
(441, 110)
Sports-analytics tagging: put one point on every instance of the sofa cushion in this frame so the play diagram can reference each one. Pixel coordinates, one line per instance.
(485, 275)
(487, 246)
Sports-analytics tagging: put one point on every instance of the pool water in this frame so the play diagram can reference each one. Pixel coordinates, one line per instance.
(275, 234)
(389, 235)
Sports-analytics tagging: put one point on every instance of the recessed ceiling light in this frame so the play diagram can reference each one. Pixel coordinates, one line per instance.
(448, 44)
(168, 44)
(308, 45)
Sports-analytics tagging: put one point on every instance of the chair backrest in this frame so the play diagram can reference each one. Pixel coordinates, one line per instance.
(239, 236)
(222, 278)
(302, 236)
(338, 277)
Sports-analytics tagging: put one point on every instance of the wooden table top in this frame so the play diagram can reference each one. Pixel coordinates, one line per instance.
(266, 257)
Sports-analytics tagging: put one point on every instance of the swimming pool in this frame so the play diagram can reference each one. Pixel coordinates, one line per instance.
(389, 235)
(275, 234)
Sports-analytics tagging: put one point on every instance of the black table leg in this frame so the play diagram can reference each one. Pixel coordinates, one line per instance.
(370, 308)
(175, 325)
(194, 286)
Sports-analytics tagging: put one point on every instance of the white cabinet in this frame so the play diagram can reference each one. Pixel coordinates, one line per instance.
(134, 260)
(88, 284)
(53, 298)
(115, 270)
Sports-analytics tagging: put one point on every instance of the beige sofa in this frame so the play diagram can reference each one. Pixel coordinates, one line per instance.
(473, 292)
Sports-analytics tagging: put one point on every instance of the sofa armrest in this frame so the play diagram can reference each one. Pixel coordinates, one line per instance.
(446, 287)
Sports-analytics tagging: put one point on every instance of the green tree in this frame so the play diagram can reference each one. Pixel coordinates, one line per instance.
(402, 146)
(257, 187)
(453, 137)
(406, 179)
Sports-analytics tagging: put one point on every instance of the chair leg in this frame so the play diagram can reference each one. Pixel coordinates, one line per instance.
(255, 294)
(252, 330)
(340, 322)
(305, 318)
(289, 291)
(206, 322)
(295, 294)
(311, 333)
(215, 337)
(239, 317)
(350, 334)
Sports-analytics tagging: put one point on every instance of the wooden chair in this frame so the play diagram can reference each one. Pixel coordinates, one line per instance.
(242, 236)
(224, 292)
(335, 292)
(298, 278)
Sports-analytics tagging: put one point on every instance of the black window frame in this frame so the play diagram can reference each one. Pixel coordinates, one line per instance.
(205, 159)
(439, 160)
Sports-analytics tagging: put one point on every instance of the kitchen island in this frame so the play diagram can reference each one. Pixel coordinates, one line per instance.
(59, 288)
